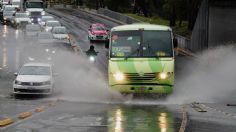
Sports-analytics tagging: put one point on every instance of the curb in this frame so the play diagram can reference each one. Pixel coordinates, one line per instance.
(5, 122)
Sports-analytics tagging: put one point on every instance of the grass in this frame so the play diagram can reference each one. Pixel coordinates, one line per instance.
(181, 30)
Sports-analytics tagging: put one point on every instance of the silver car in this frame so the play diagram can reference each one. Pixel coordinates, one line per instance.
(32, 30)
(60, 34)
(45, 19)
(20, 19)
(45, 38)
(50, 24)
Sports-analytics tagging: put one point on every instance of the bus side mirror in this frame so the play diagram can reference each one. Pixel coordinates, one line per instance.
(175, 42)
(107, 45)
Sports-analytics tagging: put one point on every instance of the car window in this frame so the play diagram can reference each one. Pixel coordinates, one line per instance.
(59, 31)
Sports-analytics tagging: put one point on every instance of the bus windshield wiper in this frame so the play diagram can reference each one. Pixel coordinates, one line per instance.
(135, 51)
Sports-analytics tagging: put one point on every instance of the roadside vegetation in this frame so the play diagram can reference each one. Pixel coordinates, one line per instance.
(179, 28)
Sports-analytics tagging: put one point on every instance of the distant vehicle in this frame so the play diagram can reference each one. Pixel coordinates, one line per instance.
(34, 78)
(32, 30)
(50, 24)
(141, 59)
(98, 32)
(46, 18)
(8, 12)
(16, 3)
(45, 38)
(35, 9)
(4, 2)
(60, 33)
(20, 19)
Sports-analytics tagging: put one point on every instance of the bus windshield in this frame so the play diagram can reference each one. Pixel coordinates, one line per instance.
(34, 4)
(141, 44)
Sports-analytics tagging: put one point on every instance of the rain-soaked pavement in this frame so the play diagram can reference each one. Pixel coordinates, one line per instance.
(82, 102)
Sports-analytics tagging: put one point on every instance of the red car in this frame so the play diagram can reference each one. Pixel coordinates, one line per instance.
(98, 32)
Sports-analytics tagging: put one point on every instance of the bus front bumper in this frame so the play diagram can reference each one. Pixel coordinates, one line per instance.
(162, 89)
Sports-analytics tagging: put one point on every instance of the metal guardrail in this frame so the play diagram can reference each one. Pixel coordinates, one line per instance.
(117, 16)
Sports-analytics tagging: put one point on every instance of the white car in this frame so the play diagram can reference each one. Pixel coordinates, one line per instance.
(34, 78)
(8, 12)
(32, 30)
(20, 19)
(60, 34)
(46, 18)
(50, 24)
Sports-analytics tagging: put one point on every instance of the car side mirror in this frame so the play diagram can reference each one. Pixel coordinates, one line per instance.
(175, 42)
(15, 74)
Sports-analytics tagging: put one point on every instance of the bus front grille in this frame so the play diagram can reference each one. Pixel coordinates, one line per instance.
(140, 76)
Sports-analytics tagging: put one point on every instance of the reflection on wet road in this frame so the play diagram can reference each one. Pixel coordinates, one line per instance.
(72, 117)
(139, 118)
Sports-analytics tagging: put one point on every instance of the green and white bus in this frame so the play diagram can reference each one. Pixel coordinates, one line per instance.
(141, 59)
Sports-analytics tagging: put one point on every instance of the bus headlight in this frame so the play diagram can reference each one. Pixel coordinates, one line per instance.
(163, 75)
(119, 76)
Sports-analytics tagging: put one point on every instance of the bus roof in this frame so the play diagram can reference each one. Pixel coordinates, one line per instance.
(141, 26)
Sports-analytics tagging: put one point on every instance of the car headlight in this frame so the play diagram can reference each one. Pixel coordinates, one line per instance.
(39, 19)
(43, 13)
(119, 76)
(5, 18)
(32, 19)
(163, 75)
(17, 82)
(47, 83)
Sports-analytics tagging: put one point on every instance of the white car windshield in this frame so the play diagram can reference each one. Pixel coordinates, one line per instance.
(21, 15)
(53, 24)
(59, 31)
(8, 13)
(35, 70)
(9, 9)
